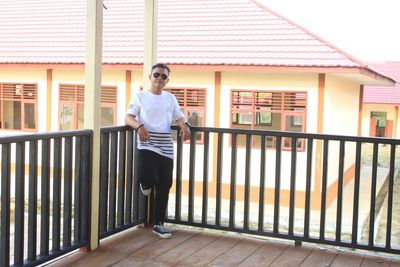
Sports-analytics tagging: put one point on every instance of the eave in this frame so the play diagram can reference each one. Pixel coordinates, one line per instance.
(364, 76)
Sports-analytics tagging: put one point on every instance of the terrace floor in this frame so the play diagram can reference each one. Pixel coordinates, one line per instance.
(194, 247)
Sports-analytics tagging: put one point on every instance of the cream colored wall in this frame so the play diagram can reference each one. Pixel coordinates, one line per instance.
(38, 76)
(340, 118)
(136, 82)
(341, 106)
(366, 117)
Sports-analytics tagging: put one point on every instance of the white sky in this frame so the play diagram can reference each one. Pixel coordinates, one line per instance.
(366, 29)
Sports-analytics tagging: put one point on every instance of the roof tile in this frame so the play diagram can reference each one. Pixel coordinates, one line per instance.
(384, 94)
(235, 32)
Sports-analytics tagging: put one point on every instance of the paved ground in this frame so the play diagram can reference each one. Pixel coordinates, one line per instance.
(347, 212)
(382, 217)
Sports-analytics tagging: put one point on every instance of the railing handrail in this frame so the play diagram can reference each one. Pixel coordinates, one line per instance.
(320, 136)
(43, 136)
(333, 137)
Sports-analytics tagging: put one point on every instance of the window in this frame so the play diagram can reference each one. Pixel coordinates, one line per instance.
(18, 105)
(108, 105)
(269, 110)
(71, 110)
(193, 104)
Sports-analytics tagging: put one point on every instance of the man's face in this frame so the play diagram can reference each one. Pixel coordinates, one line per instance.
(159, 78)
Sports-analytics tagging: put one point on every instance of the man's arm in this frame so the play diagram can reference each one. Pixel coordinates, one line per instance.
(185, 128)
(131, 121)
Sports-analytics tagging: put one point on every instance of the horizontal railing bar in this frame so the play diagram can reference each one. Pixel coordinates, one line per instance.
(43, 136)
(331, 137)
(298, 135)
(121, 228)
(287, 237)
(52, 255)
(111, 129)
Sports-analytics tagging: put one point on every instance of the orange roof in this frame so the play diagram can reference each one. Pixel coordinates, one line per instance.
(191, 32)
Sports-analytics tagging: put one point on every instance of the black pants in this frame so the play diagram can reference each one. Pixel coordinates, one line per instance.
(155, 171)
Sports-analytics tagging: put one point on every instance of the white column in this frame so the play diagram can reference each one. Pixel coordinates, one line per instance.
(92, 113)
(150, 39)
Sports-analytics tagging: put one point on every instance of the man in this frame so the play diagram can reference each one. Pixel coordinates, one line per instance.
(151, 113)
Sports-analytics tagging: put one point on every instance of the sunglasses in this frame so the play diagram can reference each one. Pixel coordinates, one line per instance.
(157, 74)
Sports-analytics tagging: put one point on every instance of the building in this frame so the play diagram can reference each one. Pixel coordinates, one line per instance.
(381, 104)
(234, 64)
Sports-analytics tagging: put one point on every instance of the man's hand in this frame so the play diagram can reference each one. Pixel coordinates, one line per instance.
(185, 131)
(131, 121)
(143, 134)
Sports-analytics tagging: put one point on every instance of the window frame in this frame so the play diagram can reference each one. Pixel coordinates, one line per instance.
(22, 100)
(183, 103)
(281, 104)
(80, 99)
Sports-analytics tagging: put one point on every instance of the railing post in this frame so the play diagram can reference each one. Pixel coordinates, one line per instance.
(5, 205)
(149, 208)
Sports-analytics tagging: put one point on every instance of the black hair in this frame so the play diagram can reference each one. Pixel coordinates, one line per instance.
(160, 65)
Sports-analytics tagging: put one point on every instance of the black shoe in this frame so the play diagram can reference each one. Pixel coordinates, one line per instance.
(161, 231)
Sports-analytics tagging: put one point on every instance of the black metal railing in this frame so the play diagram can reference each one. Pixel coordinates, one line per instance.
(283, 193)
(121, 205)
(328, 189)
(45, 196)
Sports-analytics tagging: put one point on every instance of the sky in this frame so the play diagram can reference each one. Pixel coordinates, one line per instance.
(366, 29)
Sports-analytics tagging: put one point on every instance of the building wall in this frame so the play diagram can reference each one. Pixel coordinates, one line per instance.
(340, 109)
(340, 118)
(391, 115)
(341, 106)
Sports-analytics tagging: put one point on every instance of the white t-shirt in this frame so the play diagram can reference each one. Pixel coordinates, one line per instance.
(157, 113)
